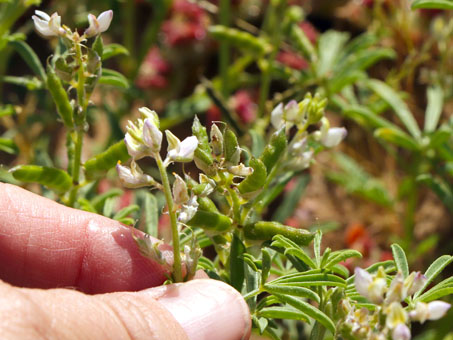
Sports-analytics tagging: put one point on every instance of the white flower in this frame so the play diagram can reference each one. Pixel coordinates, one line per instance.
(333, 137)
(401, 332)
(133, 177)
(152, 136)
(210, 185)
(302, 161)
(134, 140)
(180, 151)
(429, 311)
(188, 210)
(395, 315)
(180, 194)
(373, 287)
(240, 170)
(415, 282)
(48, 26)
(99, 24)
(277, 116)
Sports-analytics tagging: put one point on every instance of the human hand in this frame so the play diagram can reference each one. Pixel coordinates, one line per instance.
(46, 248)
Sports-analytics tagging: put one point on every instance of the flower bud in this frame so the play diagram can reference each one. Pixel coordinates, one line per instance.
(415, 283)
(133, 177)
(99, 24)
(149, 114)
(180, 194)
(330, 137)
(152, 136)
(371, 287)
(216, 140)
(395, 315)
(48, 25)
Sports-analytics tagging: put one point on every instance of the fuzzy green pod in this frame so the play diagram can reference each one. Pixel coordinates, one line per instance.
(240, 39)
(60, 97)
(98, 165)
(205, 203)
(231, 149)
(264, 231)
(274, 150)
(55, 179)
(256, 180)
(210, 221)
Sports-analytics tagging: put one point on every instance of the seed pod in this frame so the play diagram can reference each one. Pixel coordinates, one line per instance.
(60, 97)
(231, 149)
(210, 221)
(98, 165)
(274, 150)
(55, 179)
(240, 39)
(256, 180)
(264, 231)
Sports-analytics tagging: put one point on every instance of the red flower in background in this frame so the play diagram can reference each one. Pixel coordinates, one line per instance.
(213, 114)
(187, 23)
(244, 105)
(154, 70)
(310, 31)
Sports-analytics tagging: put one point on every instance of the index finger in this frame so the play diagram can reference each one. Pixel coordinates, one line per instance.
(45, 245)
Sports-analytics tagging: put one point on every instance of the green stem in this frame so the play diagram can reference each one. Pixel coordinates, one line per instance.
(79, 124)
(177, 273)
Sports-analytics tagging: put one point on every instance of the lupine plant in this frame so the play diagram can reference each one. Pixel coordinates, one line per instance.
(218, 187)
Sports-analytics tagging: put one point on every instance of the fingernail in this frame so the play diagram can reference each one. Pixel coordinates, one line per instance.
(206, 309)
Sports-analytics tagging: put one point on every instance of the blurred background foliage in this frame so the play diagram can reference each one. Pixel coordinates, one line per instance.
(385, 68)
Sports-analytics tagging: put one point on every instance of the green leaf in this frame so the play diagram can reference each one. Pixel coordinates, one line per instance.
(8, 145)
(434, 108)
(60, 97)
(434, 270)
(265, 230)
(274, 150)
(435, 294)
(365, 116)
(98, 202)
(211, 221)
(390, 96)
(291, 200)
(292, 291)
(432, 4)
(341, 270)
(341, 255)
(30, 83)
(292, 248)
(55, 179)
(126, 211)
(308, 309)
(112, 50)
(309, 280)
(231, 149)
(7, 110)
(285, 312)
(236, 263)
(30, 57)
(256, 180)
(240, 39)
(258, 143)
(98, 165)
(266, 264)
(200, 132)
(114, 78)
(400, 259)
(330, 45)
(397, 137)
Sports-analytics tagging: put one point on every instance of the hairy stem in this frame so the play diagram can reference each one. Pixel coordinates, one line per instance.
(177, 272)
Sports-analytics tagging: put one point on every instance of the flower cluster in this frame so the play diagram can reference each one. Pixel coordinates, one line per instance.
(50, 26)
(390, 319)
(308, 112)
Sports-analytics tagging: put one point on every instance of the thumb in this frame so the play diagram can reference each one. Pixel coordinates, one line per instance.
(199, 309)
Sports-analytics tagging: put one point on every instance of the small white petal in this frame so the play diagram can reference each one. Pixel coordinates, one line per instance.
(42, 26)
(240, 170)
(333, 137)
(133, 177)
(277, 116)
(134, 148)
(42, 15)
(401, 332)
(104, 20)
(180, 194)
(362, 281)
(291, 111)
(437, 309)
